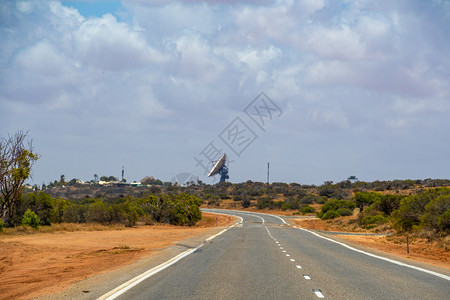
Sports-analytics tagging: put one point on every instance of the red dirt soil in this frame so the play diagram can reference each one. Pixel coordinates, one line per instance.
(44, 263)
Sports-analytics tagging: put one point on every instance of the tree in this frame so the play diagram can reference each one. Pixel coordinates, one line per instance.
(62, 181)
(148, 180)
(113, 178)
(30, 219)
(16, 161)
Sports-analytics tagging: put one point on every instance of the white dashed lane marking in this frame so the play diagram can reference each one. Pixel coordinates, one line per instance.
(317, 292)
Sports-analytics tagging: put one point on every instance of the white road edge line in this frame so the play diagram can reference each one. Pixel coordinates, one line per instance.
(380, 257)
(138, 279)
(364, 252)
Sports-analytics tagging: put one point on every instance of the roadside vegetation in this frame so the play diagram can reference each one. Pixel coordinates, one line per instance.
(418, 207)
(402, 206)
(40, 208)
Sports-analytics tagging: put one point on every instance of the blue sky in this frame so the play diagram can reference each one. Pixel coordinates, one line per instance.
(353, 87)
(95, 8)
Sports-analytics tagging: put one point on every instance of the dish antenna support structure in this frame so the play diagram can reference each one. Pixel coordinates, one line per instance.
(220, 168)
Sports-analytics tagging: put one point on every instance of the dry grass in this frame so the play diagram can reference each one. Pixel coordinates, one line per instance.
(208, 220)
(69, 227)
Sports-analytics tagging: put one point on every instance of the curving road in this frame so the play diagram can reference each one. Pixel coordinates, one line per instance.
(264, 258)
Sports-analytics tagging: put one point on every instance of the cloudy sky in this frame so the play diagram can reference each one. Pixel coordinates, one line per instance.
(350, 87)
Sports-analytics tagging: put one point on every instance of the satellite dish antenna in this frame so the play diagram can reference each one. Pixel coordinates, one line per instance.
(220, 168)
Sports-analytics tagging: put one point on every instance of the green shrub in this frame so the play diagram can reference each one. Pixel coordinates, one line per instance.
(306, 209)
(308, 199)
(322, 200)
(1, 225)
(98, 212)
(75, 213)
(264, 202)
(444, 221)
(365, 198)
(374, 220)
(334, 204)
(30, 219)
(246, 202)
(345, 212)
(422, 209)
(285, 206)
(434, 209)
(331, 214)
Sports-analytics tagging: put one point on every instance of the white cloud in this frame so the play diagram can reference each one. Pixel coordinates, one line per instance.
(329, 117)
(110, 45)
(197, 61)
(43, 59)
(337, 44)
(183, 69)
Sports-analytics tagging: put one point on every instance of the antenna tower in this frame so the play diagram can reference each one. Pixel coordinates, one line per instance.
(220, 168)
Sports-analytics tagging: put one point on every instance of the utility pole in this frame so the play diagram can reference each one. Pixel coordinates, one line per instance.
(268, 173)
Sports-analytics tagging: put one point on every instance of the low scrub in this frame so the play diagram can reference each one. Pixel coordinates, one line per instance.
(374, 220)
(331, 214)
(30, 219)
(428, 210)
(345, 212)
(306, 210)
(176, 209)
(334, 208)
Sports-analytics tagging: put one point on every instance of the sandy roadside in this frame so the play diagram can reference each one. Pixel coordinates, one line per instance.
(419, 249)
(46, 263)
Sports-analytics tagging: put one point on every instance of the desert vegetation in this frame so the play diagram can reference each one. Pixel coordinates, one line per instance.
(421, 207)
(40, 208)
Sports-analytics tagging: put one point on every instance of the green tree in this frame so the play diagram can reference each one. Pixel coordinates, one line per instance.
(434, 211)
(365, 198)
(408, 213)
(98, 212)
(16, 161)
(57, 213)
(62, 179)
(246, 202)
(39, 202)
(30, 219)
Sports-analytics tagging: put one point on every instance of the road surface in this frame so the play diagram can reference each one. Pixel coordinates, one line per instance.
(264, 258)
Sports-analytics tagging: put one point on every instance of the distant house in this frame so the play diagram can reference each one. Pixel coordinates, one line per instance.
(136, 183)
(108, 183)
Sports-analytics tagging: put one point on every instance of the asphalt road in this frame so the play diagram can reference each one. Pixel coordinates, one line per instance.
(263, 258)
